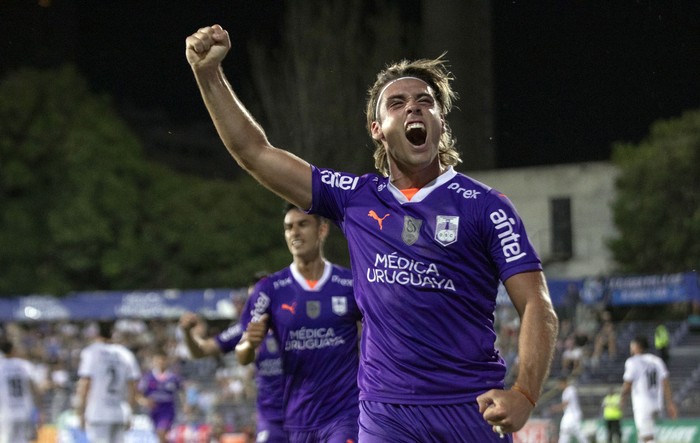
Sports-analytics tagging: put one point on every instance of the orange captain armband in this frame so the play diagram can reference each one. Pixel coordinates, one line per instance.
(525, 393)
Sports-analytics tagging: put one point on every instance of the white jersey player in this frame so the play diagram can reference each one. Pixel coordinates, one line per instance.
(108, 375)
(17, 396)
(646, 377)
(572, 419)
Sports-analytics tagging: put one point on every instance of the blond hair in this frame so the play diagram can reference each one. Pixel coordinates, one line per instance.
(436, 75)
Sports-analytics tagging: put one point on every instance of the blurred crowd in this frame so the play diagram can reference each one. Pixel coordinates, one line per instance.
(218, 392)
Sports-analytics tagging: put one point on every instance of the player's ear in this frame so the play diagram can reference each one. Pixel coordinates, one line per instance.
(323, 230)
(376, 130)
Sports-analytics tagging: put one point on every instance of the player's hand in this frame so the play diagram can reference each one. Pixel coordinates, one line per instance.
(506, 411)
(256, 331)
(188, 320)
(207, 47)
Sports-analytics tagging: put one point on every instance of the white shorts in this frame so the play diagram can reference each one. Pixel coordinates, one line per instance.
(14, 431)
(105, 432)
(645, 421)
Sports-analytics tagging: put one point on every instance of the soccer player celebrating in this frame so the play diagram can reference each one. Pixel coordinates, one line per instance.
(312, 311)
(428, 247)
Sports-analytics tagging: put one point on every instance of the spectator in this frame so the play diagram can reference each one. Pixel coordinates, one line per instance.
(605, 342)
(572, 356)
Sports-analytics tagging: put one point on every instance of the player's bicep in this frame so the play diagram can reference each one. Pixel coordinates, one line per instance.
(528, 289)
(285, 174)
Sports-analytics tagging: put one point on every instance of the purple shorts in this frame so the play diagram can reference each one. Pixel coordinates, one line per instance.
(270, 431)
(340, 430)
(390, 423)
(163, 418)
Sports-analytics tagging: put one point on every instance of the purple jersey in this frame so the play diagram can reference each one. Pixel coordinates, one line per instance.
(161, 388)
(317, 331)
(426, 275)
(268, 374)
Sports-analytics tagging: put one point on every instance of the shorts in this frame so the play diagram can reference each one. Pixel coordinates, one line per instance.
(105, 432)
(395, 423)
(14, 431)
(163, 420)
(645, 420)
(340, 430)
(270, 431)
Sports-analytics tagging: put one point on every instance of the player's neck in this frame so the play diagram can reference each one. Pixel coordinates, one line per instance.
(310, 269)
(404, 178)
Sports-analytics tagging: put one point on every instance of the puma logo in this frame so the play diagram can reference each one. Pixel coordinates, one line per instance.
(291, 308)
(380, 220)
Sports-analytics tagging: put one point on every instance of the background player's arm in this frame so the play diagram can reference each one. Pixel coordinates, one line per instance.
(670, 404)
(624, 392)
(132, 394)
(280, 171)
(199, 347)
(254, 335)
(81, 395)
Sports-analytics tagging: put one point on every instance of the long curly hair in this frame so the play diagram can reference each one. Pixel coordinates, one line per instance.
(435, 73)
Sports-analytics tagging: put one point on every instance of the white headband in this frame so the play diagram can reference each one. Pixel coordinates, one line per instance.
(379, 97)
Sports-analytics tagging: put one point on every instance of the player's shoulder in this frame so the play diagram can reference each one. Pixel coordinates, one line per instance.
(272, 280)
(341, 270)
(472, 190)
(349, 182)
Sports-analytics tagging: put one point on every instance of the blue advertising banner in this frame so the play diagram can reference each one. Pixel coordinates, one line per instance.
(653, 289)
(165, 304)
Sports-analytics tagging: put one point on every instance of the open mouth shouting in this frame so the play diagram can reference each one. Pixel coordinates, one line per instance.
(416, 133)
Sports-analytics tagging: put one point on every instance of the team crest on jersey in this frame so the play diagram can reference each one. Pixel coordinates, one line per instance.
(446, 229)
(313, 308)
(339, 304)
(411, 230)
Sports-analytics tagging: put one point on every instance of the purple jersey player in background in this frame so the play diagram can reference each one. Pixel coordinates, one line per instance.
(311, 308)
(268, 376)
(428, 248)
(161, 391)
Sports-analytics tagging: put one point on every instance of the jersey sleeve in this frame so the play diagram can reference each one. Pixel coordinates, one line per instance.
(507, 239)
(229, 338)
(628, 375)
(134, 370)
(331, 190)
(85, 366)
(257, 304)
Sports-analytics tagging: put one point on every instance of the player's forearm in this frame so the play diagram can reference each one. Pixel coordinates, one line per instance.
(536, 344)
(241, 134)
(132, 396)
(280, 171)
(81, 396)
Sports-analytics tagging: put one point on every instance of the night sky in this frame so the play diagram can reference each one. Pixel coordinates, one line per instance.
(570, 77)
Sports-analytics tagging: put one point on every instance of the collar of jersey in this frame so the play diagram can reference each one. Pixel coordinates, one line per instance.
(425, 190)
(327, 268)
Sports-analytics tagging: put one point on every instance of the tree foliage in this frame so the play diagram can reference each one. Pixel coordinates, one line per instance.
(657, 209)
(82, 208)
